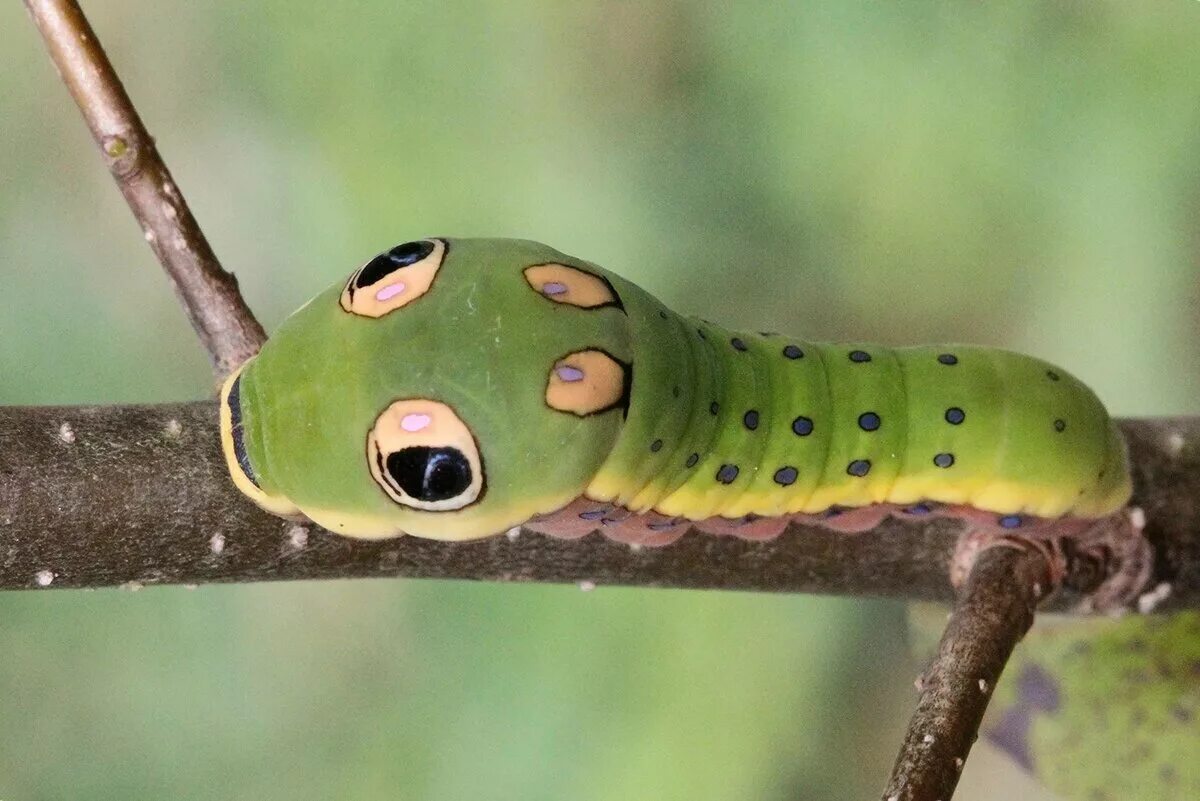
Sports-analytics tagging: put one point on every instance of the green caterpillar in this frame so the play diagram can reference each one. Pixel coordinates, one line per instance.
(455, 388)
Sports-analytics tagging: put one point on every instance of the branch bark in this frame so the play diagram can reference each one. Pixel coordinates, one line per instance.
(994, 611)
(209, 295)
(102, 496)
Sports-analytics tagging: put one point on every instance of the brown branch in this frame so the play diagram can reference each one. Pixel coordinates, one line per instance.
(994, 611)
(107, 495)
(209, 295)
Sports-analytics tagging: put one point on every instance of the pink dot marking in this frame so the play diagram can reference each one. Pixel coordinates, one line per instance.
(568, 373)
(390, 291)
(554, 288)
(413, 423)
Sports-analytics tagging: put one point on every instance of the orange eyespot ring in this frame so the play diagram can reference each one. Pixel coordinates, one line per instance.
(571, 285)
(424, 457)
(394, 278)
(588, 382)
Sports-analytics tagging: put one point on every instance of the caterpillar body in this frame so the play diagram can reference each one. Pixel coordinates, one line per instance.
(455, 388)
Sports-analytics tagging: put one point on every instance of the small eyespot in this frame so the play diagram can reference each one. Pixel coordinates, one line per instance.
(572, 286)
(692, 460)
(792, 352)
(750, 419)
(955, 415)
(1060, 425)
(656, 446)
(948, 359)
(738, 344)
(943, 460)
(424, 457)
(1053, 376)
(727, 473)
(869, 421)
(786, 476)
(859, 356)
(394, 279)
(588, 382)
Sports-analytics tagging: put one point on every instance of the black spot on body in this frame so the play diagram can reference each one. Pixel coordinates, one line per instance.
(955, 415)
(676, 391)
(943, 460)
(430, 474)
(656, 446)
(714, 407)
(750, 419)
(859, 356)
(1053, 376)
(947, 359)
(691, 460)
(792, 352)
(727, 473)
(738, 344)
(662, 314)
(786, 476)
(385, 263)
(802, 426)
(859, 467)
(1060, 425)
(868, 421)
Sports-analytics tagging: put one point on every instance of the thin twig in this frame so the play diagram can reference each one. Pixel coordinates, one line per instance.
(108, 495)
(209, 295)
(994, 611)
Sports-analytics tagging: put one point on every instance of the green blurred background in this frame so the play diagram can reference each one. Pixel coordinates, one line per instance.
(1020, 174)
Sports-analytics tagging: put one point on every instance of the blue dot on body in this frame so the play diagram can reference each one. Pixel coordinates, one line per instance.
(859, 356)
(1010, 521)
(943, 460)
(868, 421)
(859, 467)
(947, 358)
(802, 426)
(727, 473)
(793, 352)
(955, 415)
(786, 476)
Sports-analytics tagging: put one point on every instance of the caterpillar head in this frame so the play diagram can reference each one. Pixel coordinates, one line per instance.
(448, 389)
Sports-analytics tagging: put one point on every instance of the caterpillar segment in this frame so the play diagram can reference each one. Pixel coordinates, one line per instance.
(453, 389)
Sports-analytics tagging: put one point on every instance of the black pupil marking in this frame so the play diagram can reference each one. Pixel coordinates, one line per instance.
(859, 467)
(430, 474)
(948, 358)
(656, 446)
(786, 476)
(943, 459)
(955, 415)
(868, 421)
(751, 419)
(234, 403)
(384, 264)
(1060, 426)
(859, 356)
(727, 473)
(802, 426)
(793, 352)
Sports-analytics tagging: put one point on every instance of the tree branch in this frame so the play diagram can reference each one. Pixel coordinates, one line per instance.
(993, 613)
(209, 295)
(101, 496)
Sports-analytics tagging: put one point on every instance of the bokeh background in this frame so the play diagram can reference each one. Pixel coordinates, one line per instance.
(1024, 174)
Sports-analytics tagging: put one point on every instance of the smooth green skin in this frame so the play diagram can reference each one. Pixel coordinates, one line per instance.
(483, 342)
(1121, 720)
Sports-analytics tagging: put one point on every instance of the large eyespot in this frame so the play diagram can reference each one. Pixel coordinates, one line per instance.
(570, 285)
(588, 382)
(424, 456)
(394, 278)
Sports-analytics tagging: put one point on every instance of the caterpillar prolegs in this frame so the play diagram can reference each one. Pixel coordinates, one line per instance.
(455, 388)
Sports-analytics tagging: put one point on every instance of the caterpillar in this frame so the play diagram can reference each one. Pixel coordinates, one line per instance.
(455, 388)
